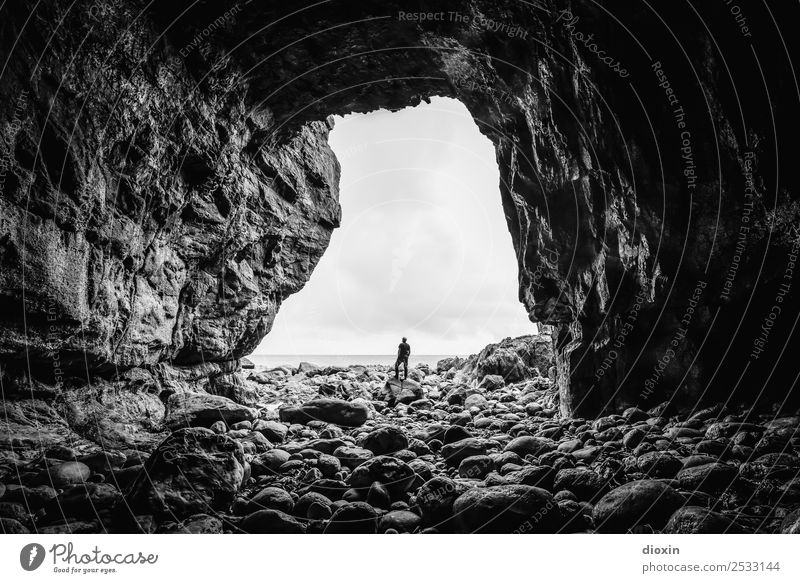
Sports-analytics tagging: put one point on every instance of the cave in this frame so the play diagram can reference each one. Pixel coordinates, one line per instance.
(167, 183)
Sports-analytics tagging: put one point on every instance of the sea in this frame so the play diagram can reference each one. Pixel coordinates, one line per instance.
(294, 360)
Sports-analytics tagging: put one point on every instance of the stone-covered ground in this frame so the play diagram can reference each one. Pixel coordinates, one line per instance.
(475, 445)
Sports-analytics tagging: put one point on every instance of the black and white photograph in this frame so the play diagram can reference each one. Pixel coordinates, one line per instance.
(527, 268)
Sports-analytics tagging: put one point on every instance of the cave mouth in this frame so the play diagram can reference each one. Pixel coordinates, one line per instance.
(423, 249)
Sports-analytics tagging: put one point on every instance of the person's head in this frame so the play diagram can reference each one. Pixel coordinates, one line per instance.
(404, 338)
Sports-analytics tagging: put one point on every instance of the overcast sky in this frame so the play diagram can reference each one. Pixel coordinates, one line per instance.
(423, 250)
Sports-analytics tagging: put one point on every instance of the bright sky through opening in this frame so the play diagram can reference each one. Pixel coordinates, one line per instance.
(423, 250)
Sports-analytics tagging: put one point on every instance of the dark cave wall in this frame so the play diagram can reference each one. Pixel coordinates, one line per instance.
(168, 181)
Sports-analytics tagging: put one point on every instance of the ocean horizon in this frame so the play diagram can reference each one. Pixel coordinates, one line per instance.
(294, 360)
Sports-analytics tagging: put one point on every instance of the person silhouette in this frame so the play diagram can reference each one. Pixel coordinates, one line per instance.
(403, 352)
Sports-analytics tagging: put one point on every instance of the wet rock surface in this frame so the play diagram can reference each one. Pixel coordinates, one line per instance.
(503, 467)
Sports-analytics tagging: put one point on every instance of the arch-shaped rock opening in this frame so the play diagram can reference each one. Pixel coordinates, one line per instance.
(201, 191)
(423, 249)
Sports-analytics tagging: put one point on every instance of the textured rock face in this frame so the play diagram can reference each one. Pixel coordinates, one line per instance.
(513, 359)
(145, 217)
(192, 471)
(167, 183)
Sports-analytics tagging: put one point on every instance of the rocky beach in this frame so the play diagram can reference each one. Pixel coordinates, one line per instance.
(474, 445)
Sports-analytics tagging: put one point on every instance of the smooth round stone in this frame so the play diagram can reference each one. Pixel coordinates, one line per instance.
(272, 460)
(507, 457)
(378, 496)
(384, 440)
(698, 460)
(394, 474)
(634, 415)
(475, 467)
(436, 497)
(352, 457)
(712, 478)
(66, 474)
(570, 445)
(633, 438)
(353, 518)
(273, 498)
(455, 433)
(399, 521)
(302, 508)
(507, 509)
(274, 431)
(585, 483)
(292, 465)
(476, 401)
(453, 453)
(643, 502)
(716, 447)
(328, 465)
(658, 464)
(529, 445)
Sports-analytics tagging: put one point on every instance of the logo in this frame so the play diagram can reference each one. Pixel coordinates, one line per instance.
(31, 556)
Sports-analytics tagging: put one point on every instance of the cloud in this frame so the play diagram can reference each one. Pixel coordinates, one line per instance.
(423, 250)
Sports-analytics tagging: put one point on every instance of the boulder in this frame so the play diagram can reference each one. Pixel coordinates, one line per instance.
(394, 474)
(659, 464)
(273, 498)
(455, 453)
(529, 445)
(336, 411)
(352, 457)
(353, 518)
(272, 430)
(66, 474)
(643, 502)
(399, 521)
(202, 410)
(402, 391)
(506, 509)
(436, 497)
(513, 359)
(712, 478)
(475, 467)
(383, 440)
(194, 470)
(586, 484)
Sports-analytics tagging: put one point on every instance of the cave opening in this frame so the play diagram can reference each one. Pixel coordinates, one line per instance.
(423, 250)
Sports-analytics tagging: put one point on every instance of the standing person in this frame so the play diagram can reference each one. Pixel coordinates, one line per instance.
(403, 352)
